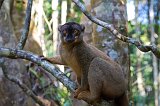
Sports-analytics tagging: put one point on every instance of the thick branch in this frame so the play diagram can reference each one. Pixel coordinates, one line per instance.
(13, 53)
(138, 44)
(26, 26)
(23, 87)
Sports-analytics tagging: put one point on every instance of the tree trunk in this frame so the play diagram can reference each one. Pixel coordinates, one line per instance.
(55, 24)
(157, 32)
(139, 74)
(40, 27)
(35, 37)
(154, 59)
(11, 94)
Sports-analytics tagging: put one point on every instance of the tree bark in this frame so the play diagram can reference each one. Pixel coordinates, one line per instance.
(10, 94)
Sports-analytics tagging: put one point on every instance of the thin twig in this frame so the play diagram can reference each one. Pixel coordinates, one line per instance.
(47, 22)
(138, 44)
(25, 31)
(14, 53)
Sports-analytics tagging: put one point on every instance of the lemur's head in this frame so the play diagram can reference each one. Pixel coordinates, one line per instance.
(71, 32)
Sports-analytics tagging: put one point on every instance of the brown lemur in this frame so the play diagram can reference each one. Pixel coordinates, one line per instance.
(97, 75)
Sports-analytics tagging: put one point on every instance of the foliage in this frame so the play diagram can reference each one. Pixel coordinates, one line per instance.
(45, 85)
(48, 35)
(19, 6)
(145, 59)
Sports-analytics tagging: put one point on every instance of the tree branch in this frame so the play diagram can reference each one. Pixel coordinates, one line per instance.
(110, 27)
(26, 26)
(14, 53)
(23, 87)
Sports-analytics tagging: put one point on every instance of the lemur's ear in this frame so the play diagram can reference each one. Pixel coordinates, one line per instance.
(59, 28)
(82, 27)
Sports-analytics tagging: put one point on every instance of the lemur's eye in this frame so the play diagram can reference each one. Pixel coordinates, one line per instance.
(64, 32)
(75, 32)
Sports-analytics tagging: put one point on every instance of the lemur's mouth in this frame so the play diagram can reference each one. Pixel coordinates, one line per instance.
(76, 37)
(70, 40)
